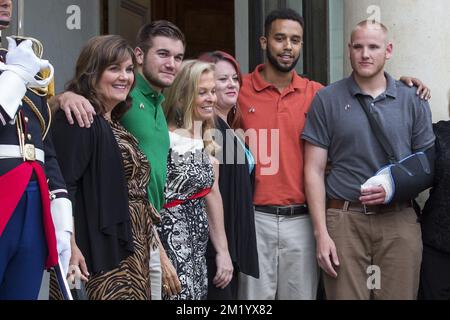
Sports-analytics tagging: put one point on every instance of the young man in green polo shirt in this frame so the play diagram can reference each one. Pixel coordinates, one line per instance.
(159, 53)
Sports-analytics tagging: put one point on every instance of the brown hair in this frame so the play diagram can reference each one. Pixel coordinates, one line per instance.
(162, 28)
(96, 56)
(233, 118)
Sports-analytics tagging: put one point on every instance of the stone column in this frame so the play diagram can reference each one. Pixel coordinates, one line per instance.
(420, 31)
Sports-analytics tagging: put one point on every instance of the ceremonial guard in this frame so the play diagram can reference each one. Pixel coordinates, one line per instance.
(33, 198)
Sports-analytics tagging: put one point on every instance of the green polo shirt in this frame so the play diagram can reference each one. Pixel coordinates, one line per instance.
(147, 123)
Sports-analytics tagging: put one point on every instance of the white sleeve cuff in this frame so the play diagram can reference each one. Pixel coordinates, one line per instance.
(12, 91)
(61, 209)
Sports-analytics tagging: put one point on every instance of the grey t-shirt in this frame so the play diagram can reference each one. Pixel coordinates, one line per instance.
(337, 122)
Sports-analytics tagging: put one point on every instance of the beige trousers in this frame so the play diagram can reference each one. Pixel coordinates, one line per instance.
(287, 260)
(379, 255)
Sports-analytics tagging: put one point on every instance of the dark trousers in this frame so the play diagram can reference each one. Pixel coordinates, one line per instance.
(435, 275)
(23, 249)
(214, 293)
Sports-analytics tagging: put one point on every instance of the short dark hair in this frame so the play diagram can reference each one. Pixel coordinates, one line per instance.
(282, 14)
(162, 28)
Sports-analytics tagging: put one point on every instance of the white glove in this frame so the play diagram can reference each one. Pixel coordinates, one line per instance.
(23, 57)
(61, 209)
(19, 70)
(64, 250)
(22, 60)
(382, 178)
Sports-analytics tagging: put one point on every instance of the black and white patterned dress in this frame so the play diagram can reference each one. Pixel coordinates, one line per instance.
(184, 228)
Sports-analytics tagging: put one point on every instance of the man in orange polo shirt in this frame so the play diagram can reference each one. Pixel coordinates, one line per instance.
(274, 102)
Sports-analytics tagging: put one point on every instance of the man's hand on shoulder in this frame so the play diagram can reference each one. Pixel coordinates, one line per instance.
(74, 105)
(422, 90)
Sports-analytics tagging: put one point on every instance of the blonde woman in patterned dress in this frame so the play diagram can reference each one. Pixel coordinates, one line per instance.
(194, 205)
(107, 176)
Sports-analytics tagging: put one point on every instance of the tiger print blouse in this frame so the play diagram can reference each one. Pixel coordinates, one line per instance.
(137, 174)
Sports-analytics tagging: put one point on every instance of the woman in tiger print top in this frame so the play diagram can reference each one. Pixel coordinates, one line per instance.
(134, 270)
(107, 177)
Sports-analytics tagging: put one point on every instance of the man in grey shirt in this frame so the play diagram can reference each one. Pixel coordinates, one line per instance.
(368, 249)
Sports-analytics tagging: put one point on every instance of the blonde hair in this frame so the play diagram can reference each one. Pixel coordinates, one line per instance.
(179, 106)
(370, 24)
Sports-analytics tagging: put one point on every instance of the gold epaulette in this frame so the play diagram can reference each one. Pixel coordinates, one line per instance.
(48, 91)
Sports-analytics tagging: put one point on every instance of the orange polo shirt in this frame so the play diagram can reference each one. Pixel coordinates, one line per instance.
(273, 123)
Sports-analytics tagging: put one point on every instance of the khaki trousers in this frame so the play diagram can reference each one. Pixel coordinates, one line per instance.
(379, 255)
(288, 267)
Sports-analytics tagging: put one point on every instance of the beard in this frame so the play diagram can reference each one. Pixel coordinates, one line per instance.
(273, 61)
(154, 80)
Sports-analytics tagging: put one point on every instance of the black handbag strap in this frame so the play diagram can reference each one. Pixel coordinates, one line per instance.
(379, 134)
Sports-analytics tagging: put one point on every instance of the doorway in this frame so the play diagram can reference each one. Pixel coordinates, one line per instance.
(208, 25)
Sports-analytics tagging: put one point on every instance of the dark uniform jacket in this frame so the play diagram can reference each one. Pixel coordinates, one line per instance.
(36, 125)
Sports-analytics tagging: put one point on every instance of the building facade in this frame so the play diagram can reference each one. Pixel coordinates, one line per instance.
(420, 32)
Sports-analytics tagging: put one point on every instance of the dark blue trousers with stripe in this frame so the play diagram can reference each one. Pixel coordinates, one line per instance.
(23, 249)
